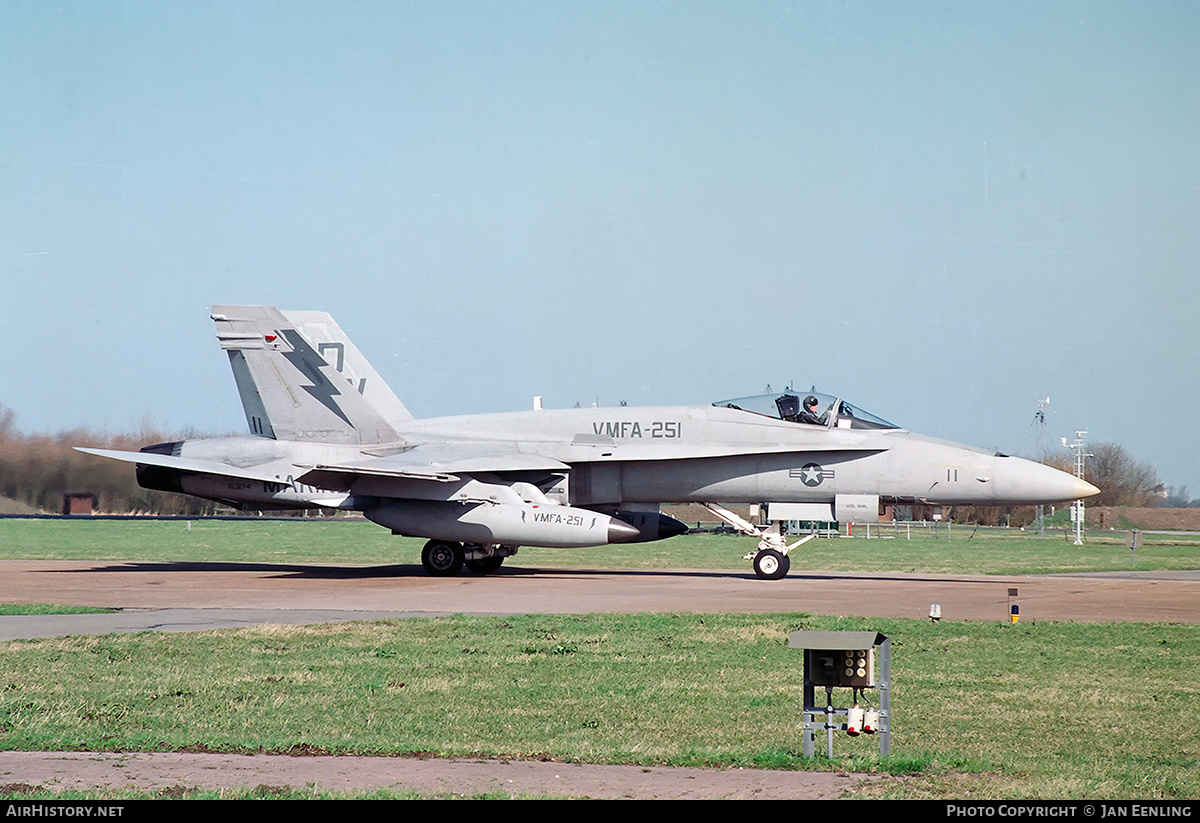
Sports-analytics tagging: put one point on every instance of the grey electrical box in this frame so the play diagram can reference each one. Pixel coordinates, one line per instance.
(844, 659)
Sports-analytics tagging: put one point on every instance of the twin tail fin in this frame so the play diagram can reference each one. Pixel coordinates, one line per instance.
(300, 378)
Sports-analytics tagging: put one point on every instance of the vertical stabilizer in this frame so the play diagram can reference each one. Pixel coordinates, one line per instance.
(320, 329)
(289, 390)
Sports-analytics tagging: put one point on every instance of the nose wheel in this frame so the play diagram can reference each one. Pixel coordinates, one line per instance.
(771, 565)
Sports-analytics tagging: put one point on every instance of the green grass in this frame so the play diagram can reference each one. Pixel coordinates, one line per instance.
(354, 542)
(48, 608)
(986, 710)
(250, 540)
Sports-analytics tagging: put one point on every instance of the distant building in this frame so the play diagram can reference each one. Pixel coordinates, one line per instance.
(80, 503)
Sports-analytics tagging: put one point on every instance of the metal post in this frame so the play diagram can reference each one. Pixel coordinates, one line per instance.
(829, 724)
(809, 747)
(885, 697)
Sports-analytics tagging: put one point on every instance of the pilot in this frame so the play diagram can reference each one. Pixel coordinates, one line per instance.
(809, 413)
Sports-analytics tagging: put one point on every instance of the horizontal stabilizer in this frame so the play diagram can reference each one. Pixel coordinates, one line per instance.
(184, 464)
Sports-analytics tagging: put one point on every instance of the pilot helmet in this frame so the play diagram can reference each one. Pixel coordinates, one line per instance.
(810, 401)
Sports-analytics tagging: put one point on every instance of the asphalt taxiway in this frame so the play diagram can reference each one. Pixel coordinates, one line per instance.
(157, 596)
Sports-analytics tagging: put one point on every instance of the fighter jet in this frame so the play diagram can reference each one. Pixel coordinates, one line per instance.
(326, 431)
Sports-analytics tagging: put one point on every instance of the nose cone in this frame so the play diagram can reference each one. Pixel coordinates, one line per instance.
(1034, 483)
(1062, 487)
(620, 532)
(670, 527)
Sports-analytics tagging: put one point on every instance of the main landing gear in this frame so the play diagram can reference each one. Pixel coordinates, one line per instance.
(442, 559)
(445, 558)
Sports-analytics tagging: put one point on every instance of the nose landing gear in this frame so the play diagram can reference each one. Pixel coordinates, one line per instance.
(771, 561)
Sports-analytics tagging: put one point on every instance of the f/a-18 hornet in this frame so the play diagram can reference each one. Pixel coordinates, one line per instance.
(326, 431)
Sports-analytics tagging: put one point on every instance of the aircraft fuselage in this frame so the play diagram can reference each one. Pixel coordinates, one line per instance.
(327, 431)
(656, 455)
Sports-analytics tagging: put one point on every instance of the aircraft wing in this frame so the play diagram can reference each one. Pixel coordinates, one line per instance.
(438, 462)
(186, 464)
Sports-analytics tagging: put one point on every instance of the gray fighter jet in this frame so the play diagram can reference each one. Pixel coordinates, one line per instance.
(326, 431)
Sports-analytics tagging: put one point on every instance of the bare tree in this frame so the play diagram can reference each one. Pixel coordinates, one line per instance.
(1122, 480)
(8, 422)
(1177, 498)
(36, 470)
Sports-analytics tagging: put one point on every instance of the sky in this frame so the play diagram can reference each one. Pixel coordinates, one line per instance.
(945, 212)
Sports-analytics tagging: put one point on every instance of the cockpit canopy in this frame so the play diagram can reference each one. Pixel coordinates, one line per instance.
(790, 406)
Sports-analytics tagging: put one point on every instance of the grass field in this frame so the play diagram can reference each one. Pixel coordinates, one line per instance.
(359, 542)
(983, 710)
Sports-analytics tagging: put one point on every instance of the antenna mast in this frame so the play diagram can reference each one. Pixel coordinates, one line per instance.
(1081, 456)
(1039, 420)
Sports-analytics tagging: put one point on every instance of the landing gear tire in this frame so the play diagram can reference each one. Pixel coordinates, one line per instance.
(485, 565)
(441, 558)
(771, 565)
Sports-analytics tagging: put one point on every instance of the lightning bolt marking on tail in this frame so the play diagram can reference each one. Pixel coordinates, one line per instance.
(309, 363)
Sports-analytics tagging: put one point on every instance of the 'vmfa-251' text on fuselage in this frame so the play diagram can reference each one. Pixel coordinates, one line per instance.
(325, 430)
